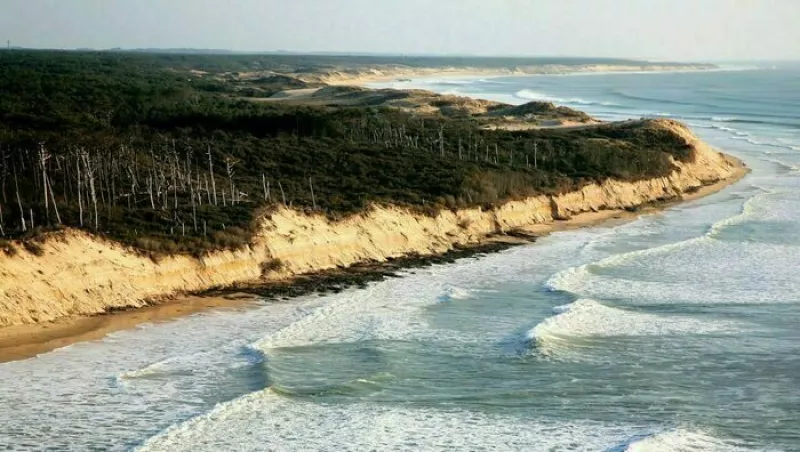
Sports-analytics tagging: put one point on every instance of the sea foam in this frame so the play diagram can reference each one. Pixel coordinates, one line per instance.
(268, 421)
(528, 94)
(679, 440)
(588, 318)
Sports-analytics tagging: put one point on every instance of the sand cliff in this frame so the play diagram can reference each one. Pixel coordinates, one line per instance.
(80, 274)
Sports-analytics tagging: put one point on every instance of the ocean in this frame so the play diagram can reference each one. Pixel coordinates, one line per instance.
(674, 332)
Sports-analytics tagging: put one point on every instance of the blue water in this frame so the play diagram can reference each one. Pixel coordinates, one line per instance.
(674, 332)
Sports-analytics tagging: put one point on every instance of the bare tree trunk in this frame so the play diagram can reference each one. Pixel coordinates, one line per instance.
(283, 195)
(44, 156)
(90, 171)
(313, 198)
(194, 206)
(162, 182)
(80, 190)
(55, 206)
(229, 164)
(174, 184)
(199, 190)
(150, 192)
(67, 178)
(134, 184)
(264, 184)
(19, 200)
(2, 231)
(211, 170)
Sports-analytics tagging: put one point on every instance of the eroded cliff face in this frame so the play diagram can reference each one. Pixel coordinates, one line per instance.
(79, 274)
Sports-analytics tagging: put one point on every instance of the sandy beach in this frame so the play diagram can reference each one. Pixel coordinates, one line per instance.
(401, 73)
(26, 341)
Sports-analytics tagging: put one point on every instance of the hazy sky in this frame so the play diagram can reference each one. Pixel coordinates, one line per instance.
(655, 29)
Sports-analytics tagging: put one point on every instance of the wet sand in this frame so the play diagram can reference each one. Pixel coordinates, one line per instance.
(26, 341)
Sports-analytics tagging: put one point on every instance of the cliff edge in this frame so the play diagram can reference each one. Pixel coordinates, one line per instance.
(75, 273)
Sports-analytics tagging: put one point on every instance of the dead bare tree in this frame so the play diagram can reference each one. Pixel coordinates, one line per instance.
(283, 195)
(199, 189)
(91, 169)
(150, 192)
(55, 206)
(175, 171)
(313, 198)
(162, 188)
(211, 171)
(134, 184)
(80, 189)
(19, 201)
(230, 163)
(194, 206)
(44, 156)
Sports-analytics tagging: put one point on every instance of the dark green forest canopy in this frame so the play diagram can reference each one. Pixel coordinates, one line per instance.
(141, 149)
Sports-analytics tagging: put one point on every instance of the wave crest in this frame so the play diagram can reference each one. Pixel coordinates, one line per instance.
(576, 280)
(455, 293)
(528, 94)
(588, 318)
(267, 420)
(677, 440)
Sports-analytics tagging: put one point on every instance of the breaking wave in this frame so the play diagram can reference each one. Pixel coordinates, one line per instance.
(678, 273)
(528, 94)
(266, 420)
(586, 318)
(455, 293)
(574, 279)
(678, 440)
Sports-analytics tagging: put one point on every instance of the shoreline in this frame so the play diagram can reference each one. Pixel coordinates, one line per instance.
(29, 340)
(397, 73)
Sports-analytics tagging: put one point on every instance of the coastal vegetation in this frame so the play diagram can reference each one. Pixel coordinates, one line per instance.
(178, 154)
